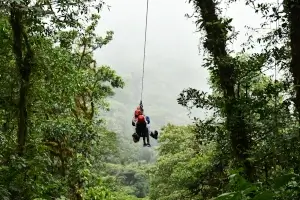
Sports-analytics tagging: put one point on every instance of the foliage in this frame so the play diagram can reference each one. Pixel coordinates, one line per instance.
(179, 163)
(248, 148)
(55, 87)
(58, 140)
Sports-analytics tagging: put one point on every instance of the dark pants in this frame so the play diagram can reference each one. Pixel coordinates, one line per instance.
(142, 131)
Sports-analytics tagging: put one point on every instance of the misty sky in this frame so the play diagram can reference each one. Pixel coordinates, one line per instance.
(173, 58)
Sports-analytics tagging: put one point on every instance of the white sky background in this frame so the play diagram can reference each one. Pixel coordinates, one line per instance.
(172, 46)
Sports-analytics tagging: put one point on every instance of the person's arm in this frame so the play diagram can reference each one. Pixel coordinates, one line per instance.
(133, 121)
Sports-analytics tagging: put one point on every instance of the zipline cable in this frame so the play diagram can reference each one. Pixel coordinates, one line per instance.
(144, 58)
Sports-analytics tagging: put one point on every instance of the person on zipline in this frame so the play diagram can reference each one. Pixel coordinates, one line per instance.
(142, 127)
(155, 134)
(139, 111)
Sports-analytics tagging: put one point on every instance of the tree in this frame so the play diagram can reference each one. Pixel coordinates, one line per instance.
(223, 66)
(60, 91)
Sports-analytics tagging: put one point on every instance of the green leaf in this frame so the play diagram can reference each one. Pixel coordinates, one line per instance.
(249, 190)
(266, 195)
(283, 180)
(226, 196)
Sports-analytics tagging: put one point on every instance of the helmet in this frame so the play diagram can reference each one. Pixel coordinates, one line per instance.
(148, 119)
(141, 118)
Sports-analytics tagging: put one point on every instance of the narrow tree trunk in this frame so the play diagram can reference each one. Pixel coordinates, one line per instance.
(23, 66)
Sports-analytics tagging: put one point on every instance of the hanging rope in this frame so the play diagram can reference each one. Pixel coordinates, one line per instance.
(144, 58)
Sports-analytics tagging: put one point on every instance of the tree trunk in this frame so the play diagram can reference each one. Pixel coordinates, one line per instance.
(215, 43)
(24, 67)
(292, 7)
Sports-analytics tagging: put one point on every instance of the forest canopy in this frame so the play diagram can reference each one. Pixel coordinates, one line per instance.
(59, 138)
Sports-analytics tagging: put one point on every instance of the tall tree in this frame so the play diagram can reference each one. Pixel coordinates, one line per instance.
(292, 8)
(217, 35)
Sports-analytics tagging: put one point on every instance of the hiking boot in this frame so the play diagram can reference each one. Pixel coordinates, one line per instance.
(148, 145)
(154, 135)
(144, 145)
(135, 138)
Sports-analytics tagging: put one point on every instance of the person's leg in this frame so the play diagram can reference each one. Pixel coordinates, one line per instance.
(154, 135)
(144, 141)
(148, 141)
(147, 136)
(140, 131)
(149, 132)
(135, 136)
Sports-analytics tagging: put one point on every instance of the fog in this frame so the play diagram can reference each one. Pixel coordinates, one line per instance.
(173, 59)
